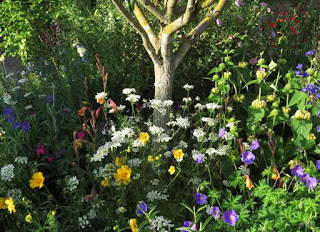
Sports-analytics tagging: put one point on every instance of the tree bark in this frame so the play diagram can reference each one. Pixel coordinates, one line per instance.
(163, 89)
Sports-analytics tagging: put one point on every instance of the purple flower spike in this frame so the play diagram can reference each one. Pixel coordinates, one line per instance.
(255, 144)
(297, 171)
(304, 177)
(318, 165)
(142, 207)
(231, 217)
(248, 157)
(215, 211)
(222, 132)
(312, 183)
(200, 198)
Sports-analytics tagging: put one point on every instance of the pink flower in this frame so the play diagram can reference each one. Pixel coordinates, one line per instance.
(41, 150)
(239, 3)
(81, 135)
(219, 22)
(50, 159)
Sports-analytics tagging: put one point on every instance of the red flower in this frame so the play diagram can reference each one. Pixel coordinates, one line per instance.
(297, 21)
(273, 25)
(291, 18)
(283, 13)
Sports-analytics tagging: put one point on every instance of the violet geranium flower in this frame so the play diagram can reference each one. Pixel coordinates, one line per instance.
(200, 198)
(231, 217)
(248, 157)
(297, 171)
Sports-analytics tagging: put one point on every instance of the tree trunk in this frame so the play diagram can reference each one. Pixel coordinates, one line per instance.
(163, 89)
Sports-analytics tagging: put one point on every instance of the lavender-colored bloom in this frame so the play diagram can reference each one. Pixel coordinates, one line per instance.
(9, 118)
(298, 73)
(248, 157)
(304, 90)
(84, 59)
(306, 74)
(142, 207)
(318, 164)
(15, 125)
(255, 144)
(215, 211)
(200, 198)
(188, 224)
(304, 177)
(222, 132)
(318, 114)
(240, 44)
(263, 4)
(309, 53)
(231, 217)
(312, 183)
(238, 3)
(300, 66)
(273, 34)
(199, 158)
(25, 126)
(318, 129)
(297, 171)
(253, 61)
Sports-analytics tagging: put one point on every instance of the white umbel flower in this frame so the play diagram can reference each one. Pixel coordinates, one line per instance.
(133, 98)
(7, 172)
(128, 91)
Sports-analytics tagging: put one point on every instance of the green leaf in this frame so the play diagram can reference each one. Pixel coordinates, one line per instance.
(301, 127)
(297, 97)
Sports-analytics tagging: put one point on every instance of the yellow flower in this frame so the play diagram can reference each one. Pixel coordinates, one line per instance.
(53, 212)
(3, 205)
(178, 155)
(82, 111)
(123, 175)
(120, 161)
(144, 137)
(105, 182)
(150, 158)
(28, 218)
(10, 204)
(78, 143)
(249, 183)
(311, 136)
(259, 104)
(302, 114)
(157, 158)
(133, 225)
(172, 170)
(37, 180)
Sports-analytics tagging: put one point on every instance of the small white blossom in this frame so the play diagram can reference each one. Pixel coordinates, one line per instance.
(225, 183)
(21, 160)
(28, 107)
(187, 100)
(27, 94)
(81, 50)
(199, 133)
(244, 170)
(23, 80)
(72, 183)
(16, 88)
(83, 222)
(213, 106)
(159, 223)
(155, 195)
(154, 130)
(133, 98)
(199, 106)
(188, 87)
(101, 95)
(128, 91)
(209, 121)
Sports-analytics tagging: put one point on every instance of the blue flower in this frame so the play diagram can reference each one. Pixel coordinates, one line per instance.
(200, 198)
(304, 177)
(15, 125)
(297, 171)
(231, 217)
(7, 111)
(309, 53)
(312, 183)
(300, 66)
(142, 208)
(298, 73)
(255, 144)
(248, 157)
(215, 211)
(318, 164)
(187, 224)
(25, 126)
(318, 129)
(199, 158)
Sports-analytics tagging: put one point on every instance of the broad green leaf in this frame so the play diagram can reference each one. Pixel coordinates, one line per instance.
(301, 127)
(297, 97)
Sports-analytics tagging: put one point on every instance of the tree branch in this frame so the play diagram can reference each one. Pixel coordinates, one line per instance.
(153, 9)
(202, 4)
(183, 20)
(169, 8)
(146, 26)
(197, 31)
(135, 24)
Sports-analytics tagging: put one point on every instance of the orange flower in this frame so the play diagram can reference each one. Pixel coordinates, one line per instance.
(249, 183)
(275, 173)
(123, 175)
(82, 111)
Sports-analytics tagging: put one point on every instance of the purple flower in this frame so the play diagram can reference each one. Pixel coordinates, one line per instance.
(318, 164)
(255, 144)
(15, 125)
(304, 177)
(222, 132)
(273, 34)
(200, 198)
(9, 118)
(298, 73)
(239, 3)
(253, 61)
(199, 158)
(215, 211)
(25, 126)
(318, 114)
(312, 183)
(142, 207)
(231, 217)
(248, 157)
(84, 59)
(297, 171)
(188, 224)
(300, 66)
(318, 129)
(50, 99)
(240, 44)
(309, 53)
(7, 111)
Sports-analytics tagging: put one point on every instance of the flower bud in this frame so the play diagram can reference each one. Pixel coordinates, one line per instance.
(261, 61)
(222, 65)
